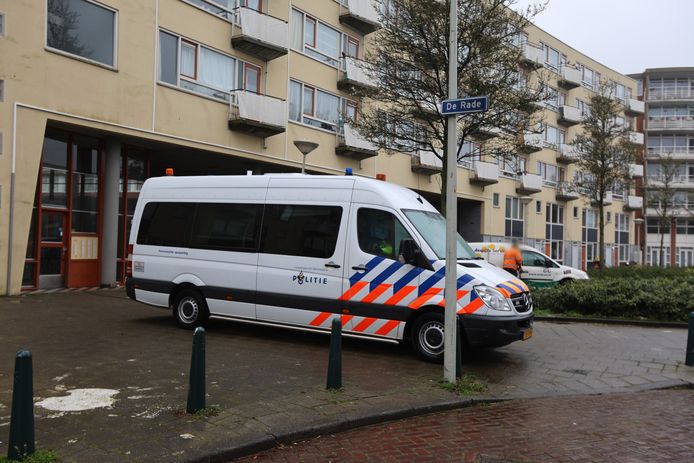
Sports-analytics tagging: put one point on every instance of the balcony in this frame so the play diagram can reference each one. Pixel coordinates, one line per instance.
(532, 142)
(485, 133)
(606, 201)
(353, 73)
(426, 162)
(259, 34)
(484, 173)
(352, 145)
(634, 107)
(683, 93)
(671, 123)
(567, 192)
(636, 170)
(532, 56)
(675, 152)
(635, 137)
(569, 115)
(567, 154)
(570, 77)
(260, 115)
(633, 203)
(360, 15)
(529, 184)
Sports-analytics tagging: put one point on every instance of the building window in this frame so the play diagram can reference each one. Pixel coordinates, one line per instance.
(590, 234)
(511, 165)
(82, 28)
(575, 212)
(200, 69)
(470, 153)
(320, 41)
(2, 24)
(552, 58)
(318, 108)
(495, 200)
(553, 136)
(550, 173)
(554, 230)
(621, 236)
(538, 207)
(514, 217)
(2, 90)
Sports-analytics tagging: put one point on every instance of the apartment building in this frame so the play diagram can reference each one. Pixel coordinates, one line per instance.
(668, 126)
(97, 96)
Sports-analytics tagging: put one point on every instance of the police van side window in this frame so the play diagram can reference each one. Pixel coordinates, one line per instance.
(166, 224)
(300, 230)
(227, 227)
(380, 233)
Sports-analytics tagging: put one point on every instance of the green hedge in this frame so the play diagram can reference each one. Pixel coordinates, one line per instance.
(634, 271)
(646, 297)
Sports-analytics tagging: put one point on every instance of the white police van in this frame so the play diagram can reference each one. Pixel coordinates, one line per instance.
(298, 251)
(539, 270)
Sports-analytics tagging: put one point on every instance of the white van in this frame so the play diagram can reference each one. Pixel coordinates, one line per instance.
(539, 270)
(299, 250)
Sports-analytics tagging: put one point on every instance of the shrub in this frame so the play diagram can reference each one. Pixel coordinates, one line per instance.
(635, 271)
(646, 297)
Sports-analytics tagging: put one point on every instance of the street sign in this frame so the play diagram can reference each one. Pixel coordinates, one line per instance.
(475, 104)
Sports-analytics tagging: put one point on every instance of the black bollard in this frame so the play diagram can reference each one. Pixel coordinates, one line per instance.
(689, 358)
(196, 391)
(458, 351)
(21, 442)
(335, 358)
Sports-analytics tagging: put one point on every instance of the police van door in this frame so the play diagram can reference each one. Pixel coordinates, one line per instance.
(378, 284)
(301, 260)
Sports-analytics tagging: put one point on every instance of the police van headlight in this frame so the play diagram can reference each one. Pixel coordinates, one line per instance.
(492, 298)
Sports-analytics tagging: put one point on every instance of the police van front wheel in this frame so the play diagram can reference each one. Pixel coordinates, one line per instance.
(190, 309)
(427, 337)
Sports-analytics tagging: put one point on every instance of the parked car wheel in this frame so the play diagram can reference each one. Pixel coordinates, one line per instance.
(428, 337)
(190, 309)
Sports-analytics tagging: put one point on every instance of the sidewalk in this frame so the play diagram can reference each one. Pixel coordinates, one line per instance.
(269, 383)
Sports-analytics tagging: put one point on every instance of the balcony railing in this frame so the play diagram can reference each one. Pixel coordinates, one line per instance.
(532, 142)
(569, 115)
(567, 154)
(354, 73)
(679, 181)
(671, 94)
(567, 192)
(532, 55)
(570, 77)
(426, 162)
(360, 15)
(670, 122)
(636, 170)
(634, 107)
(259, 34)
(676, 152)
(607, 200)
(351, 144)
(635, 137)
(633, 203)
(484, 173)
(529, 184)
(256, 114)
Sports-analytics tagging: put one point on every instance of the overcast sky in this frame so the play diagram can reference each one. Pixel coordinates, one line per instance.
(626, 35)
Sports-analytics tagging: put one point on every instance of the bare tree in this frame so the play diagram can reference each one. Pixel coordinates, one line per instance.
(660, 196)
(408, 60)
(605, 153)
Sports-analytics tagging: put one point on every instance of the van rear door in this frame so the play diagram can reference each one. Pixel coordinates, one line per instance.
(301, 260)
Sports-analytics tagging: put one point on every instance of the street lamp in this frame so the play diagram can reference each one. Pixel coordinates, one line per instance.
(305, 146)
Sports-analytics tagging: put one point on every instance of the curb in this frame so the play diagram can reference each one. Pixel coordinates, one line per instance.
(271, 441)
(610, 321)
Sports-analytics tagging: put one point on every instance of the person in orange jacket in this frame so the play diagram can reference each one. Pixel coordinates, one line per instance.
(513, 260)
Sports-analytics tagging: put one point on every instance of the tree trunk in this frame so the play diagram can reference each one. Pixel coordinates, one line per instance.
(661, 258)
(601, 232)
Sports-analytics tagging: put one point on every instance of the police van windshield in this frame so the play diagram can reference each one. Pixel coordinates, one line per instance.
(432, 227)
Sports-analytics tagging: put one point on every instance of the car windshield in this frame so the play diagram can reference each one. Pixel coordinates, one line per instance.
(432, 227)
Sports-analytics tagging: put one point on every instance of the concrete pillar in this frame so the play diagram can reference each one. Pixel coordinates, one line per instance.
(109, 232)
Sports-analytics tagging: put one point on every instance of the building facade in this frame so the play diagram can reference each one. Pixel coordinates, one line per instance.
(668, 126)
(97, 96)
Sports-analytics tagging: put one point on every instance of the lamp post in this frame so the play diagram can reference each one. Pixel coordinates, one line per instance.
(305, 146)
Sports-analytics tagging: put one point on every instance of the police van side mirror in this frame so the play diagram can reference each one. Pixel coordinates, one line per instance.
(412, 255)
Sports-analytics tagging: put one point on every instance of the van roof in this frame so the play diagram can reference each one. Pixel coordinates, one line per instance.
(366, 190)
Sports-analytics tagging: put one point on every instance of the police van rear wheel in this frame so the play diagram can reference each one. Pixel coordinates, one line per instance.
(428, 337)
(190, 309)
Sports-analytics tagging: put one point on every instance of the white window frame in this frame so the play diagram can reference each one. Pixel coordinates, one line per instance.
(114, 66)
(344, 38)
(342, 105)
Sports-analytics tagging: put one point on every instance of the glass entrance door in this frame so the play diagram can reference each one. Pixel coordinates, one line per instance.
(53, 249)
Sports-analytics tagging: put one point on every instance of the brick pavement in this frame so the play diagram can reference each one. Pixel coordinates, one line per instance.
(269, 382)
(634, 427)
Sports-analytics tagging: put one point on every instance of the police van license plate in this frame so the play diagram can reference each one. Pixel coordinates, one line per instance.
(527, 334)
